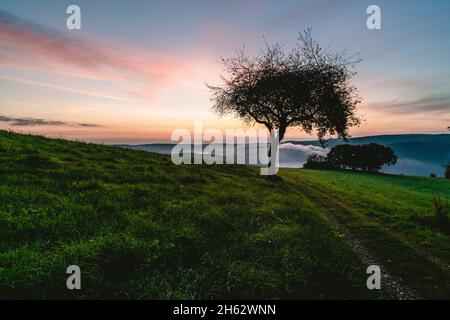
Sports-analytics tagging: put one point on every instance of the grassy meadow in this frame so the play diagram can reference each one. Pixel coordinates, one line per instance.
(140, 227)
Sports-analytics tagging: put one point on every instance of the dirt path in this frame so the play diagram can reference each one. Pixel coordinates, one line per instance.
(439, 261)
(390, 283)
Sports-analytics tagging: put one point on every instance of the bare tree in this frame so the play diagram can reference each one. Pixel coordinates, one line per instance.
(306, 87)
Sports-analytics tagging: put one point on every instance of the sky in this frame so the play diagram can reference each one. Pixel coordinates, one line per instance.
(137, 70)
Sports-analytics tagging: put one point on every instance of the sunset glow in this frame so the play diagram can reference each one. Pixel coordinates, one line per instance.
(136, 75)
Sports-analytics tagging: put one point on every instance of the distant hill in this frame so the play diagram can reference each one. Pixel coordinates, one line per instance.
(419, 154)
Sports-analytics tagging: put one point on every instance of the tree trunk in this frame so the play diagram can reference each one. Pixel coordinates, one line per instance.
(281, 133)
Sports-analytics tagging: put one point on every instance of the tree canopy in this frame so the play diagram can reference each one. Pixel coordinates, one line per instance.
(305, 87)
(367, 157)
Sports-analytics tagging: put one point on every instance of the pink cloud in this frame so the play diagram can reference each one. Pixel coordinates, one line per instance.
(27, 46)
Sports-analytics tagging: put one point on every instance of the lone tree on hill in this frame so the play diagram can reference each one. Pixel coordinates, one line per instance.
(306, 87)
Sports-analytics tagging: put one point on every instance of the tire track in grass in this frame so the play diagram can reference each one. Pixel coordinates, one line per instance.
(428, 278)
(393, 285)
(441, 261)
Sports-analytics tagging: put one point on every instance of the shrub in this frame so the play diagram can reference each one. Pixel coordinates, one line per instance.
(340, 156)
(433, 175)
(316, 161)
(367, 157)
(447, 172)
(441, 212)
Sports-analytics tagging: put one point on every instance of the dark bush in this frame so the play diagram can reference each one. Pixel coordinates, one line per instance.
(316, 161)
(367, 157)
(342, 156)
(447, 172)
(441, 211)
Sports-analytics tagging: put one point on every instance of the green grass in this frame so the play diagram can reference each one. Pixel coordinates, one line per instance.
(142, 228)
(393, 216)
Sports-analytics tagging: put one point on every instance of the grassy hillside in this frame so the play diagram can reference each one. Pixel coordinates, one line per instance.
(393, 216)
(141, 227)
